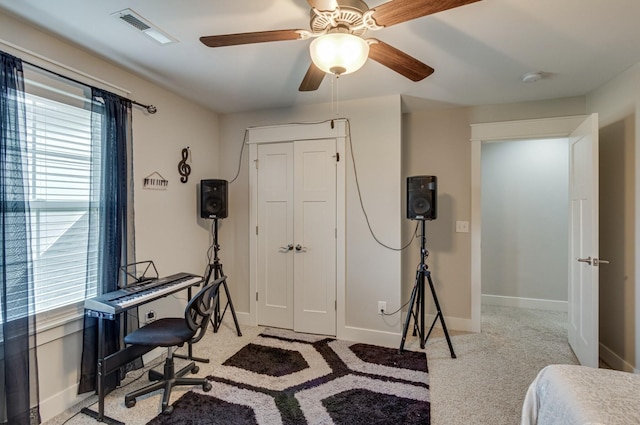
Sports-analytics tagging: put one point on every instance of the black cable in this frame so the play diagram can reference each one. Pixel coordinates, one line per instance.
(397, 311)
(355, 173)
(244, 142)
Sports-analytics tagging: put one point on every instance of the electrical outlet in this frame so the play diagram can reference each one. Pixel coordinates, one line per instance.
(462, 226)
(150, 316)
(382, 307)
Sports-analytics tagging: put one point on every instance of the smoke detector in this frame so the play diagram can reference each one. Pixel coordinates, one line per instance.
(532, 77)
(133, 19)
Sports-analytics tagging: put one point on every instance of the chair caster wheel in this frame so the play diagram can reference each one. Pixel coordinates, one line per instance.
(167, 410)
(129, 402)
(206, 387)
(195, 369)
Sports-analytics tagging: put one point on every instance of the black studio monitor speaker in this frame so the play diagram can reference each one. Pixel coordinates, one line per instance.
(422, 197)
(213, 198)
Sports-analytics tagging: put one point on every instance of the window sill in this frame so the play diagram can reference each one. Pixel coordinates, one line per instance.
(55, 324)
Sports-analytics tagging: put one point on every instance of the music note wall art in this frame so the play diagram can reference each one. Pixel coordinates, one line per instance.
(183, 168)
(155, 181)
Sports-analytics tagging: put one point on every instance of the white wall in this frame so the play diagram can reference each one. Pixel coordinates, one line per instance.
(373, 272)
(437, 142)
(167, 229)
(524, 221)
(617, 104)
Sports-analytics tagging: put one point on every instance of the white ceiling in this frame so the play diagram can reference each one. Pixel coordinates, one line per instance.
(479, 51)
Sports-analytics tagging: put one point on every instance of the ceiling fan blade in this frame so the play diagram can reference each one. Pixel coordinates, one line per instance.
(250, 38)
(312, 78)
(398, 61)
(324, 5)
(398, 11)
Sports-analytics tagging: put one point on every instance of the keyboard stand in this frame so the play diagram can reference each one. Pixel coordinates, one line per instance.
(109, 364)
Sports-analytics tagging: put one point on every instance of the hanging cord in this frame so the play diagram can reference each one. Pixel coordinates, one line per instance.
(333, 100)
(244, 142)
(355, 172)
(337, 95)
(366, 216)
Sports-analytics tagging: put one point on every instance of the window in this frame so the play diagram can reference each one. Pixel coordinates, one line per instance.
(60, 155)
(60, 159)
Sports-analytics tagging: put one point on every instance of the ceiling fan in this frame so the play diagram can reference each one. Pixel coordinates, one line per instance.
(348, 21)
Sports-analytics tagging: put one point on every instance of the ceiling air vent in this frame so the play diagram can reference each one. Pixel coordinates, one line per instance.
(130, 17)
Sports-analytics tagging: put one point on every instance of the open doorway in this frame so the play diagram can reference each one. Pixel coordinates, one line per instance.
(582, 303)
(525, 232)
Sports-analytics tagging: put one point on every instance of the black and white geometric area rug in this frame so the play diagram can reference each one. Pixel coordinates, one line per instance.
(287, 378)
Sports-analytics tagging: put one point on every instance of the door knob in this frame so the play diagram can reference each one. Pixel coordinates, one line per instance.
(593, 261)
(287, 248)
(300, 248)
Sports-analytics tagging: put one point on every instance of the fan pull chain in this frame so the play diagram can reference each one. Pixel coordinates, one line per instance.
(337, 95)
(333, 98)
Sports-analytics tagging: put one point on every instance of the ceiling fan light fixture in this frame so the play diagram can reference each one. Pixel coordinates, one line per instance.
(339, 53)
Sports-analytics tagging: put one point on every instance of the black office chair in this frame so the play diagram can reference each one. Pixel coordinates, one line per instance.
(173, 333)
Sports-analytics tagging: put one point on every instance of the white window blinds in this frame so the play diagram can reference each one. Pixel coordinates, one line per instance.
(59, 160)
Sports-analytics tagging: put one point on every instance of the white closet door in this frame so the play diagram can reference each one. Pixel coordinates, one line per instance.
(315, 236)
(275, 235)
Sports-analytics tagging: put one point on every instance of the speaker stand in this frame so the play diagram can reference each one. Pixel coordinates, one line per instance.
(215, 269)
(417, 300)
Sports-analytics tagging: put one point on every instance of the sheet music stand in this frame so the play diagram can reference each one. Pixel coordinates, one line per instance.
(131, 275)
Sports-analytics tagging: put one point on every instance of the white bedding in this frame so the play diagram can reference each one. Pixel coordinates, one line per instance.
(580, 395)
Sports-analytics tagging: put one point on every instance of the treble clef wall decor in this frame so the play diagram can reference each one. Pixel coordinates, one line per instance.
(183, 168)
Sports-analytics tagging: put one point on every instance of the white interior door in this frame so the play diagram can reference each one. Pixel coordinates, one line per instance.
(315, 237)
(275, 238)
(296, 243)
(583, 243)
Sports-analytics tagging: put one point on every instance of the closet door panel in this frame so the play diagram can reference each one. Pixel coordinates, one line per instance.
(275, 235)
(314, 236)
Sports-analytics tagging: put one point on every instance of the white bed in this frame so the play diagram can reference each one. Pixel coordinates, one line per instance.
(580, 395)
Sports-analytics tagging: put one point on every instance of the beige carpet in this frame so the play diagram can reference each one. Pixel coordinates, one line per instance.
(486, 384)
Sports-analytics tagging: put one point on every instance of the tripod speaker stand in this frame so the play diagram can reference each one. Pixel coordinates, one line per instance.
(215, 269)
(416, 304)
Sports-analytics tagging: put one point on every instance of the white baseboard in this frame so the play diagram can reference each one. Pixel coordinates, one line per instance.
(243, 318)
(393, 339)
(452, 323)
(616, 362)
(369, 336)
(533, 303)
(58, 403)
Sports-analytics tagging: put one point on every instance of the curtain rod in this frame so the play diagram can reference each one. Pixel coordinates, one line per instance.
(150, 108)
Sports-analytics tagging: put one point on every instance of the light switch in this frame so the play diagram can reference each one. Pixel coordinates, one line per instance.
(462, 226)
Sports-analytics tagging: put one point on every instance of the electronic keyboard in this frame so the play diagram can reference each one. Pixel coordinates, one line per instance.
(135, 295)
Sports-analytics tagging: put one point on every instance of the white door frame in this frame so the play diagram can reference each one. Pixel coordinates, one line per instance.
(333, 129)
(493, 132)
